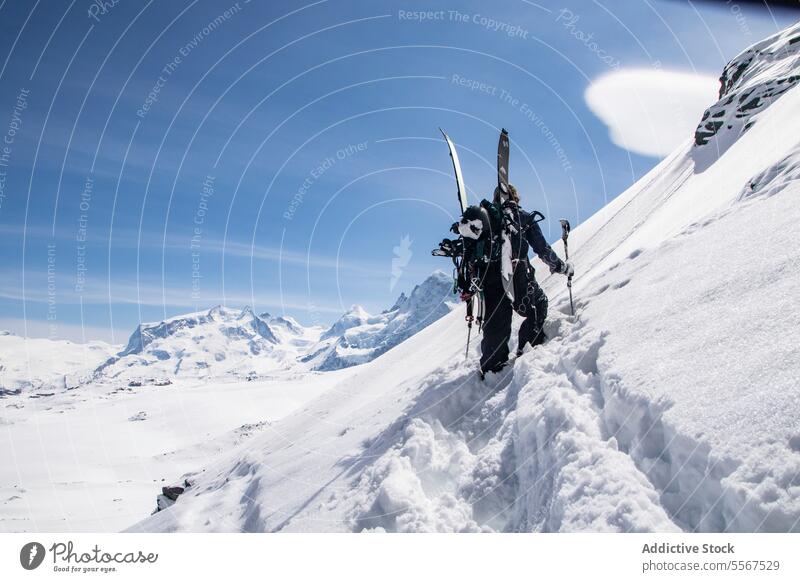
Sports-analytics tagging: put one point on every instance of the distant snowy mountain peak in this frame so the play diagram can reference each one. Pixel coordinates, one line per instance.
(357, 337)
(287, 323)
(233, 322)
(226, 342)
(353, 317)
(397, 304)
(218, 342)
(246, 312)
(290, 324)
(358, 312)
(217, 310)
(427, 296)
(749, 84)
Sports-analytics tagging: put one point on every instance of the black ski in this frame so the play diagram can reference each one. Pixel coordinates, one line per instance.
(502, 162)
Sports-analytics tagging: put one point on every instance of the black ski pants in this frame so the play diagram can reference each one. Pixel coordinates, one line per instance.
(529, 301)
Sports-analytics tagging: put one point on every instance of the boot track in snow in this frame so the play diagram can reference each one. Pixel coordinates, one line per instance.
(550, 444)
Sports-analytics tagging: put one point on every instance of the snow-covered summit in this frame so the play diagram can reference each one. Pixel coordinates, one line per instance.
(359, 337)
(426, 297)
(231, 322)
(400, 300)
(217, 342)
(353, 317)
(285, 322)
(239, 343)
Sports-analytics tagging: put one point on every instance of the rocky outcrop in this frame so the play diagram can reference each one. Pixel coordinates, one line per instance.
(749, 84)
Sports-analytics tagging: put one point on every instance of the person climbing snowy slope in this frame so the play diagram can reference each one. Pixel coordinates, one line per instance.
(494, 269)
(507, 280)
(492, 266)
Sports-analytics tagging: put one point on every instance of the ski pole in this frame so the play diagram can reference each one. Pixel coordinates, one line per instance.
(469, 319)
(565, 228)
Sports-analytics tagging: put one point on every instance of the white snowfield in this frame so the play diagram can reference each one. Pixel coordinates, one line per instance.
(89, 433)
(42, 366)
(670, 402)
(94, 458)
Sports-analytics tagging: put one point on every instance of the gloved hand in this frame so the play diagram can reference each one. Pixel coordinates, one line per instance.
(567, 269)
(465, 297)
(450, 248)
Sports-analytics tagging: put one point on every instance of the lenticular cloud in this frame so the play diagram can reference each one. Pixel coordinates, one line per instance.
(651, 112)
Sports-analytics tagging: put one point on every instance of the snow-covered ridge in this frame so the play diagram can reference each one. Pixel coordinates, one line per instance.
(235, 324)
(358, 337)
(353, 317)
(43, 366)
(225, 342)
(221, 343)
(213, 343)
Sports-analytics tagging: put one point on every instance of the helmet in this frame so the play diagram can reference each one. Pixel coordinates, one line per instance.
(474, 222)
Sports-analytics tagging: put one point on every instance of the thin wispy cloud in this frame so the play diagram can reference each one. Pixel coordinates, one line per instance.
(129, 239)
(128, 292)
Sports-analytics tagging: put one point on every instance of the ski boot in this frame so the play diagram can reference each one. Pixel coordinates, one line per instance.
(537, 341)
(498, 368)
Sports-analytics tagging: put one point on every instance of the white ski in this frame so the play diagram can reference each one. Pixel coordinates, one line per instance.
(462, 191)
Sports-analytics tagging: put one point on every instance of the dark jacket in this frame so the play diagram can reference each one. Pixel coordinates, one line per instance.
(482, 257)
(525, 233)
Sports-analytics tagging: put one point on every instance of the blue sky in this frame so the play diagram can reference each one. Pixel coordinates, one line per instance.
(165, 157)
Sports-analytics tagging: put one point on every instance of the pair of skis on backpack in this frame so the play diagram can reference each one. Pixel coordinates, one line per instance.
(502, 166)
(455, 249)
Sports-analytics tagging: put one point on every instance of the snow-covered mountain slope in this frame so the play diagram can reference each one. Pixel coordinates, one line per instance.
(213, 344)
(670, 402)
(358, 337)
(285, 328)
(32, 366)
